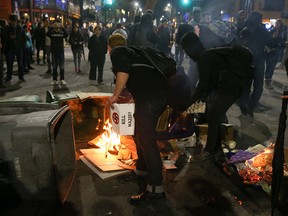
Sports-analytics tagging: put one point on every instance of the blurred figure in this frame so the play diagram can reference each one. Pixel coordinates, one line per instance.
(47, 46)
(97, 46)
(164, 37)
(40, 42)
(57, 34)
(76, 41)
(273, 54)
(144, 33)
(256, 38)
(27, 50)
(240, 21)
(15, 41)
(3, 26)
(193, 72)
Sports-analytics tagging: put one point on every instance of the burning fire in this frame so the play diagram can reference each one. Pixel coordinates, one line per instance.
(108, 139)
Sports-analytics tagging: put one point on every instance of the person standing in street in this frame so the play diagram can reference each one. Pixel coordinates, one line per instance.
(57, 35)
(27, 51)
(97, 46)
(76, 41)
(40, 42)
(256, 37)
(14, 45)
(47, 47)
(149, 91)
(273, 55)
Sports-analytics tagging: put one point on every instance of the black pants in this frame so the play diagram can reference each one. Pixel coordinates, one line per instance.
(223, 99)
(147, 112)
(11, 54)
(94, 64)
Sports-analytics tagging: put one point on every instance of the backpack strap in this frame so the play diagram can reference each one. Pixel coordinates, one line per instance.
(142, 65)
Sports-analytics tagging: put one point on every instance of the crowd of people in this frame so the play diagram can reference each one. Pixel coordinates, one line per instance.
(211, 76)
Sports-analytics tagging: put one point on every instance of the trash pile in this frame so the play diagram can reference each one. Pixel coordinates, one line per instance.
(254, 165)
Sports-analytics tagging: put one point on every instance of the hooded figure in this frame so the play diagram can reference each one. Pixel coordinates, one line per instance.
(256, 38)
(218, 85)
(144, 33)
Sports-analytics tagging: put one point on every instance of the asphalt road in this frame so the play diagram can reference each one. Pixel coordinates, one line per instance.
(197, 188)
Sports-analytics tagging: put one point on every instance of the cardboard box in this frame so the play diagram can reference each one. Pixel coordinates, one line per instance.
(122, 119)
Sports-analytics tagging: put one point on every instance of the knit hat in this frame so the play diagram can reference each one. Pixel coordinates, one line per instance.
(116, 40)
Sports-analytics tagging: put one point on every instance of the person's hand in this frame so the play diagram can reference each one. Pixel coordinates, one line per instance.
(111, 100)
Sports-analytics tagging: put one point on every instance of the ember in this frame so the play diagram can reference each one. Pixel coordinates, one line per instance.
(258, 169)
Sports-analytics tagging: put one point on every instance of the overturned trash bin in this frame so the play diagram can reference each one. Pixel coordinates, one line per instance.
(38, 149)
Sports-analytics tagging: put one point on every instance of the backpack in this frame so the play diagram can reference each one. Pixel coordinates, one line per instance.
(238, 58)
(176, 80)
(156, 59)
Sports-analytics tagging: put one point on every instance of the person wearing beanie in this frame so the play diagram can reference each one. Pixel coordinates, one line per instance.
(218, 85)
(149, 105)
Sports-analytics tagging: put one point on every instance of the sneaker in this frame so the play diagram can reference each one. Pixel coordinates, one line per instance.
(146, 198)
(100, 83)
(31, 68)
(54, 82)
(62, 82)
(79, 71)
(76, 70)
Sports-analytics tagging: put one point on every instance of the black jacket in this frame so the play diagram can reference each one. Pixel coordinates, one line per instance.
(76, 40)
(15, 38)
(97, 47)
(57, 43)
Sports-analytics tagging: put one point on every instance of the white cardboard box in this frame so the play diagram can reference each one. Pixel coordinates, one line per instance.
(122, 118)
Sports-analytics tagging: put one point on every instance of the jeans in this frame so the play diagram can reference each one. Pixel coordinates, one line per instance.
(147, 112)
(58, 60)
(77, 57)
(179, 55)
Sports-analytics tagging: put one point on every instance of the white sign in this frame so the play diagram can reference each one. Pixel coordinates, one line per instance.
(122, 119)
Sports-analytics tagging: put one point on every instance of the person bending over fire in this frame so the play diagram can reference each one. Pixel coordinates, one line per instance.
(222, 75)
(149, 92)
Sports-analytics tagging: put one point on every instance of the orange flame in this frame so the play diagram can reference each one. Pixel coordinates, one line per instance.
(108, 139)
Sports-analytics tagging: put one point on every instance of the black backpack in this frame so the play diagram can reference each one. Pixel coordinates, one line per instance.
(156, 59)
(238, 58)
(177, 81)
